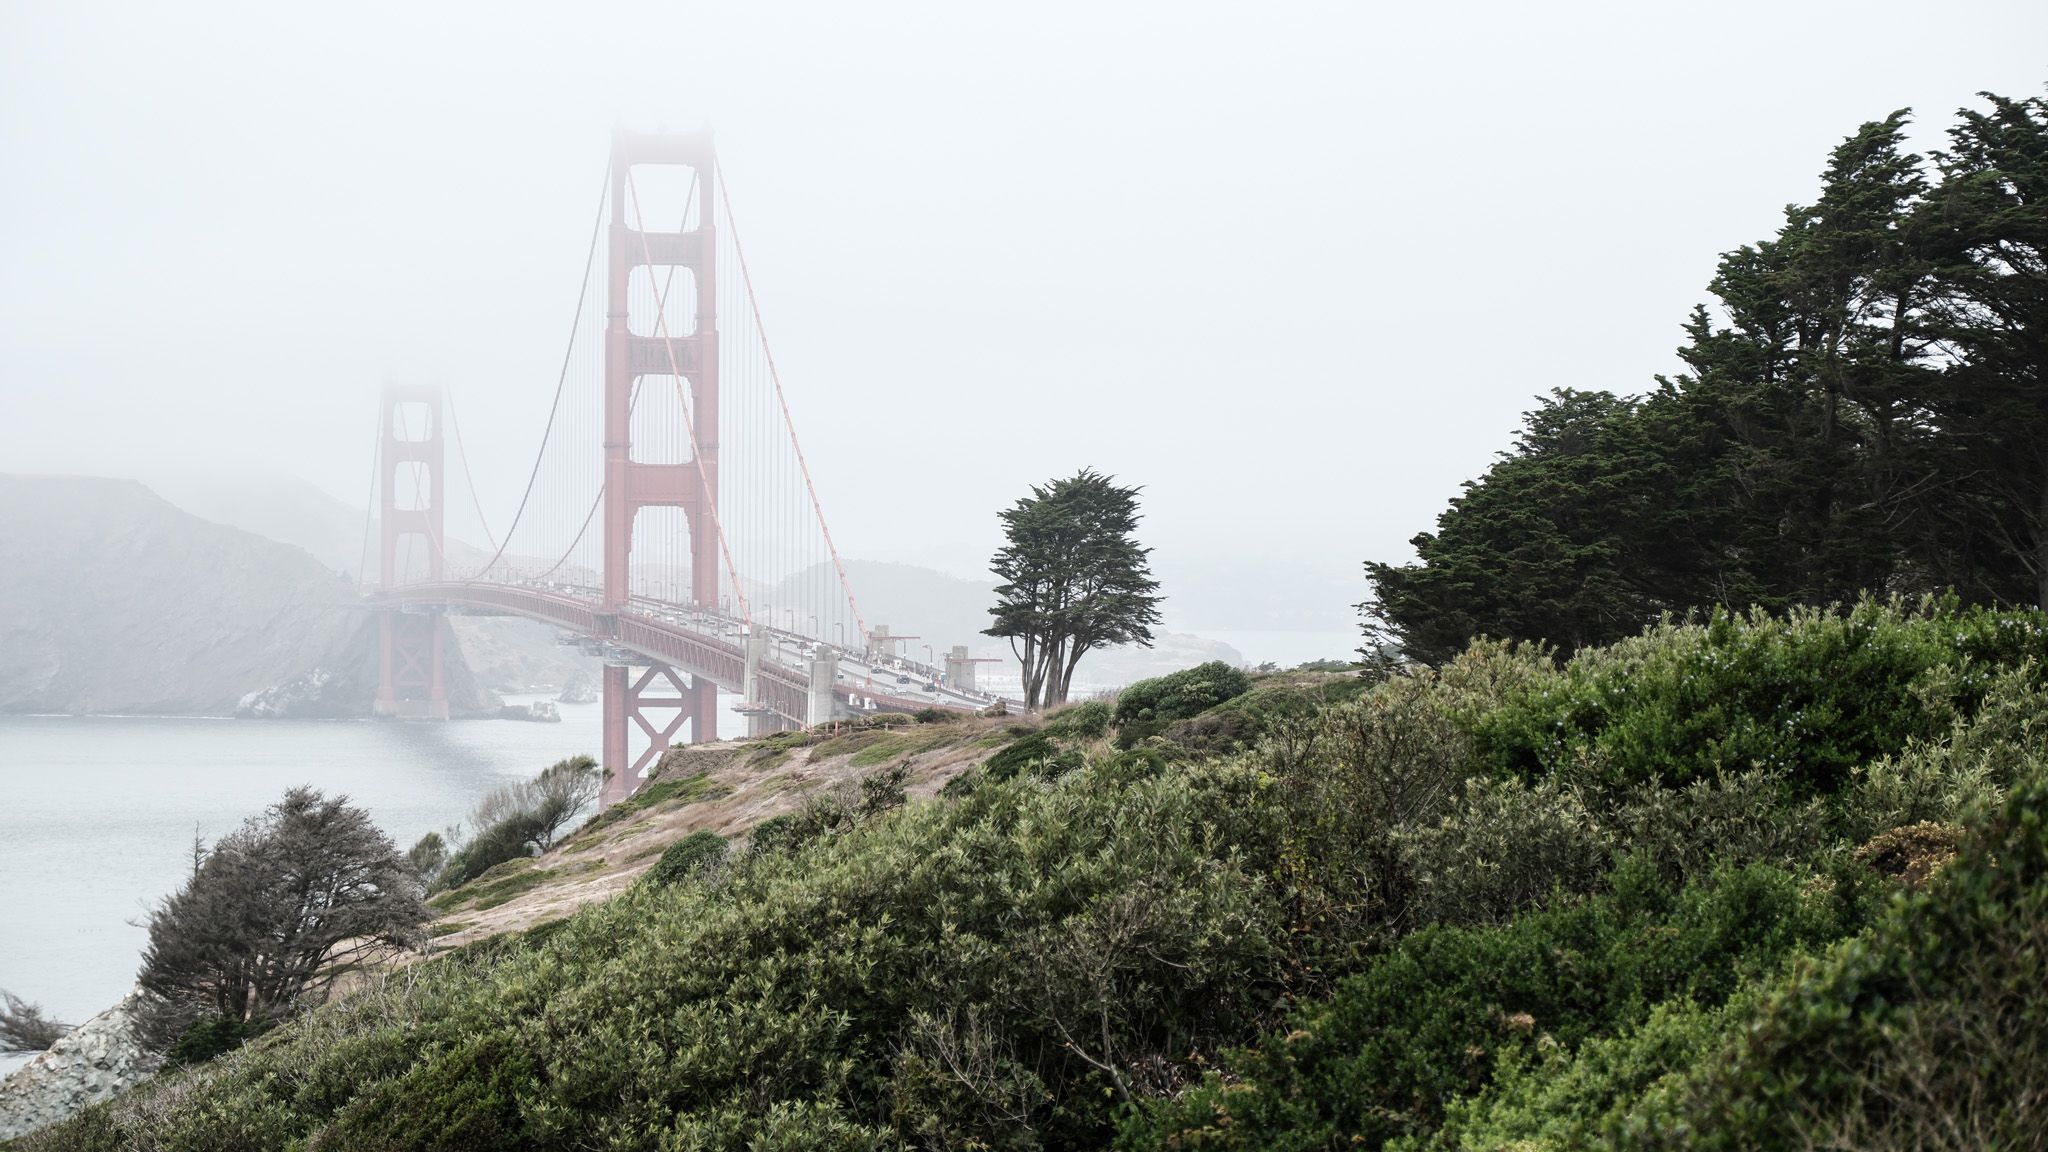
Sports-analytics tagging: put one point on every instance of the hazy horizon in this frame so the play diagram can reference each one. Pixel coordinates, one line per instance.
(1296, 271)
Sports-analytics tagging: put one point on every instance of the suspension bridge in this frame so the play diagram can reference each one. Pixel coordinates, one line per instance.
(669, 520)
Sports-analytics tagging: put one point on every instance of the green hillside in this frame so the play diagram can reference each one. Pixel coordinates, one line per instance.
(1729, 882)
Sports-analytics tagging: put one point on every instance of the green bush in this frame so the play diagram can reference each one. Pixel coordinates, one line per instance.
(511, 838)
(1215, 732)
(1730, 818)
(1930, 1032)
(1812, 695)
(1148, 706)
(1019, 755)
(699, 851)
(1434, 1019)
(1502, 847)
(205, 1038)
(1088, 720)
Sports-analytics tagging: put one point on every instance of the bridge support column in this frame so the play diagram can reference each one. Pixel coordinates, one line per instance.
(703, 697)
(824, 670)
(412, 655)
(655, 703)
(750, 683)
(616, 786)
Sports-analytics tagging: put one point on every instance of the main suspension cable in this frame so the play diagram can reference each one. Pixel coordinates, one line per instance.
(455, 425)
(370, 504)
(568, 354)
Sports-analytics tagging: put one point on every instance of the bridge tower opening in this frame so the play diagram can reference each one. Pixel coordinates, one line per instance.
(411, 639)
(634, 702)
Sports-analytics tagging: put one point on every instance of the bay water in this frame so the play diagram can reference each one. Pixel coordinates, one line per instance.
(98, 813)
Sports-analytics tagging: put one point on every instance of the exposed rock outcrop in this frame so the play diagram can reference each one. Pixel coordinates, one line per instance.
(96, 1061)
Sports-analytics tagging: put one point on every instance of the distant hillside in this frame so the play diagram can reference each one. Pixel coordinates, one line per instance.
(281, 508)
(113, 600)
(291, 511)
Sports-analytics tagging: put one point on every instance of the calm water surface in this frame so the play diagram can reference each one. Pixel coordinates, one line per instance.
(97, 815)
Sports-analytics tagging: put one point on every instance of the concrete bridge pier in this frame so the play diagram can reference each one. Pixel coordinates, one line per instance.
(820, 705)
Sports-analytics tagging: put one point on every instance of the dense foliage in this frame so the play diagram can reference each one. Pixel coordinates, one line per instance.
(1396, 917)
(1867, 410)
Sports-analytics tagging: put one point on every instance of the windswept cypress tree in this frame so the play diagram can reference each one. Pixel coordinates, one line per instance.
(1074, 578)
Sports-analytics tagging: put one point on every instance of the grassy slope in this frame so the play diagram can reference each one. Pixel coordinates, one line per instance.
(727, 788)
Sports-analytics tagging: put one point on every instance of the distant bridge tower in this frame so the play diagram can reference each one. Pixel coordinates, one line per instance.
(411, 647)
(631, 484)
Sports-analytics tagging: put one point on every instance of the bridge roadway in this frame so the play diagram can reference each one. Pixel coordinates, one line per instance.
(709, 644)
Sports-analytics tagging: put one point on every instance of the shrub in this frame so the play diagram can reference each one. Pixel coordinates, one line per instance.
(1930, 1032)
(787, 1010)
(696, 853)
(1811, 695)
(1348, 782)
(1435, 1018)
(512, 837)
(426, 858)
(523, 819)
(881, 791)
(1019, 755)
(1088, 720)
(1730, 818)
(205, 1038)
(1147, 706)
(1504, 846)
(1214, 733)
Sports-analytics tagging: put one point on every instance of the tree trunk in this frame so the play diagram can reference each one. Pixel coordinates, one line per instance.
(2041, 542)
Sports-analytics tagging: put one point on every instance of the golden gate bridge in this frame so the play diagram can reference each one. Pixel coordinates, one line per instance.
(669, 519)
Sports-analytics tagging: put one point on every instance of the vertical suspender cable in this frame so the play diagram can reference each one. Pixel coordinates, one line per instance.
(775, 378)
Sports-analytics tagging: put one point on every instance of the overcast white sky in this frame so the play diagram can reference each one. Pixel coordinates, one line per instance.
(1295, 267)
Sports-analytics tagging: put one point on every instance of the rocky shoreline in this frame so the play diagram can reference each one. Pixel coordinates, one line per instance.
(96, 1061)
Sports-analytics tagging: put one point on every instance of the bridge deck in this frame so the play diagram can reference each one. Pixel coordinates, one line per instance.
(702, 642)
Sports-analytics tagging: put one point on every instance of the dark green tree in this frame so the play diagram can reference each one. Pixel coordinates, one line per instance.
(1865, 411)
(1986, 225)
(1074, 578)
(1553, 542)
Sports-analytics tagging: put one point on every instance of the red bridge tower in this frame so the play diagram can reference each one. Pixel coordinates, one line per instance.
(631, 484)
(411, 645)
